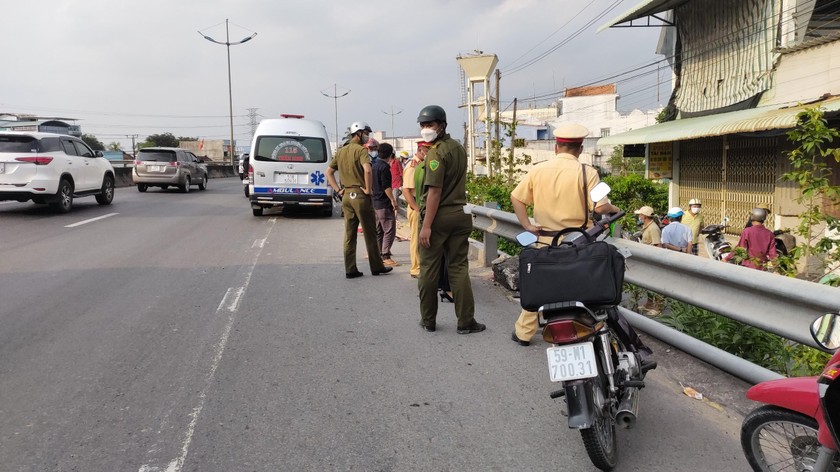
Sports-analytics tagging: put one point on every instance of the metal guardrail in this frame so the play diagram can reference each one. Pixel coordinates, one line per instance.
(780, 305)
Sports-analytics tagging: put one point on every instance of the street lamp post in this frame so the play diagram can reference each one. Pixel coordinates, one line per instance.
(228, 44)
(335, 96)
(393, 137)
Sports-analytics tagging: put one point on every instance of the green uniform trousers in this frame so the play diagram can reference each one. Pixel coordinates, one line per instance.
(358, 208)
(450, 238)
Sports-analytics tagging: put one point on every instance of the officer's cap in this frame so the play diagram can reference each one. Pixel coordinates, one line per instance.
(570, 133)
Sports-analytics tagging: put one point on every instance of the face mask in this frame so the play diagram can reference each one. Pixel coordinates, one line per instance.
(640, 221)
(428, 134)
(695, 211)
(374, 154)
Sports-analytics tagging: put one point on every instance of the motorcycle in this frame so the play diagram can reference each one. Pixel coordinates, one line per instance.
(716, 245)
(797, 428)
(596, 364)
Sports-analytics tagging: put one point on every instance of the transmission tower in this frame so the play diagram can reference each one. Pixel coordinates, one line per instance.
(252, 120)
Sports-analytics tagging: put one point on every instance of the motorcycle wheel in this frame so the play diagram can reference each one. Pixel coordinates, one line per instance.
(600, 440)
(775, 439)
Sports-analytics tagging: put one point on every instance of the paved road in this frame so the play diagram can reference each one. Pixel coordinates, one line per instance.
(182, 333)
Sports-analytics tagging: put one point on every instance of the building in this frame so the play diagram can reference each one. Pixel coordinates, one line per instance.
(215, 150)
(740, 81)
(595, 107)
(24, 122)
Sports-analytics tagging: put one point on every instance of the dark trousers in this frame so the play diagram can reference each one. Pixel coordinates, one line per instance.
(450, 239)
(386, 231)
(358, 209)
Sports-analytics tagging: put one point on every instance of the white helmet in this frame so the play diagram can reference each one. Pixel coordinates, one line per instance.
(694, 201)
(357, 126)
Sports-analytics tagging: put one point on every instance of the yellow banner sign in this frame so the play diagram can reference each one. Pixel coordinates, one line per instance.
(660, 163)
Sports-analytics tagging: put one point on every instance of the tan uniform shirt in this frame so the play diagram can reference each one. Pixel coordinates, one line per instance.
(408, 176)
(555, 188)
(348, 162)
(695, 222)
(651, 234)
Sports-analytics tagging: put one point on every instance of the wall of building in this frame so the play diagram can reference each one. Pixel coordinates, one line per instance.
(806, 75)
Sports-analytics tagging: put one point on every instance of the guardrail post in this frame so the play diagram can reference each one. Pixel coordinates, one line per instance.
(491, 241)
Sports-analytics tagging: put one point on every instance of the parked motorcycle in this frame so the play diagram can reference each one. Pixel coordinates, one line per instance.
(600, 371)
(716, 245)
(797, 428)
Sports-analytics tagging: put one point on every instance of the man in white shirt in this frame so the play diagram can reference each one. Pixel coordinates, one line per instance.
(677, 236)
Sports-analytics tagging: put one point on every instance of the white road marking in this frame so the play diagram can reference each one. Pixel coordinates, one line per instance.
(84, 222)
(259, 243)
(230, 304)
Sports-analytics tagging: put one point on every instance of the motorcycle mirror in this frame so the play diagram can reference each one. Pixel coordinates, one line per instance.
(526, 238)
(599, 191)
(725, 220)
(826, 331)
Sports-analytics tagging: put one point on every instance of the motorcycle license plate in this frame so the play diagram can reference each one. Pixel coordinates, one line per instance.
(572, 362)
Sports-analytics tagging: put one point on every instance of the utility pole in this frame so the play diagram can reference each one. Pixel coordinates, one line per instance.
(133, 149)
(498, 116)
(393, 136)
(512, 141)
(335, 96)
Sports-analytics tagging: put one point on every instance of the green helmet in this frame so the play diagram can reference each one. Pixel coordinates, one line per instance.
(431, 113)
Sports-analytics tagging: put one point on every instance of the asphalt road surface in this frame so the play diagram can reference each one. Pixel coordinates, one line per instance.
(178, 332)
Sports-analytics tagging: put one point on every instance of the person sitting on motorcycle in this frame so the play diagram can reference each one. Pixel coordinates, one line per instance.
(759, 241)
(694, 220)
(677, 236)
(651, 234)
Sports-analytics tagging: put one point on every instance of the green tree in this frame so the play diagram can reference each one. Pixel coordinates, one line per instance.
(160, 140)
(633, 191)
(812, 138)
(622, 166)
(507, 164)
(114, 146)
(92, 142)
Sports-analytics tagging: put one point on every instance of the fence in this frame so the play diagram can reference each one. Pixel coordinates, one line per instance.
(780, 305)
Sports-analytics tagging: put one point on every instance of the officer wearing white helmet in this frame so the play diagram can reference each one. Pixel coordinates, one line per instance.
(352, 162)
(693, 218)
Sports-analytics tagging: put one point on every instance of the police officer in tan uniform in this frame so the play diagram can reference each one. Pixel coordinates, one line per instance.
(651, 234)
(352, 162)
(444, 227)
(556, 191)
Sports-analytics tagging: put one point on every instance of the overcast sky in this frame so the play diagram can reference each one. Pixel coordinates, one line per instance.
(141, 67)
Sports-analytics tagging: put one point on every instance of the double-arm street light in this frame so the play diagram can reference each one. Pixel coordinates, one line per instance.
(335, 96)
(228, 44)
(393, 137)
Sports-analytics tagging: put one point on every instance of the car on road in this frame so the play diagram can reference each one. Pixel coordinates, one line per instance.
(166, 167)
(52, 169)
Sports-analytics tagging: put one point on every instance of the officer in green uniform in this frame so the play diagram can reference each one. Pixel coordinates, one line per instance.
(445, 228)
(353, 165)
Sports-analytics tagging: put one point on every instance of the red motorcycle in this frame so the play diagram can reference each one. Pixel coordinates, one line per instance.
(797, 428)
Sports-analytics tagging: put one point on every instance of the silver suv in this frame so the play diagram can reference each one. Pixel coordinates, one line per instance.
(53, 169)
(163, 167)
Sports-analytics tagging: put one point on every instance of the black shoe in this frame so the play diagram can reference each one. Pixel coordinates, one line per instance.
(445, 297)
(353, 275)
(430, 329)
(476, 327)
(519, 341)
(384, 270)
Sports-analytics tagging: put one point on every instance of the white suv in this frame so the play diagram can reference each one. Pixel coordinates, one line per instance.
(53, 169)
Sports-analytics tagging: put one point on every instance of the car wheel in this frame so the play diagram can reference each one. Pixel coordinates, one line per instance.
(203, 184)
(142, 187)
(64, 197)
(257, 211)
(106, 194)
(247, 191)
(186, 187)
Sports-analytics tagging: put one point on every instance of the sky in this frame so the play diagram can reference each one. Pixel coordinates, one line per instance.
(139, 68)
